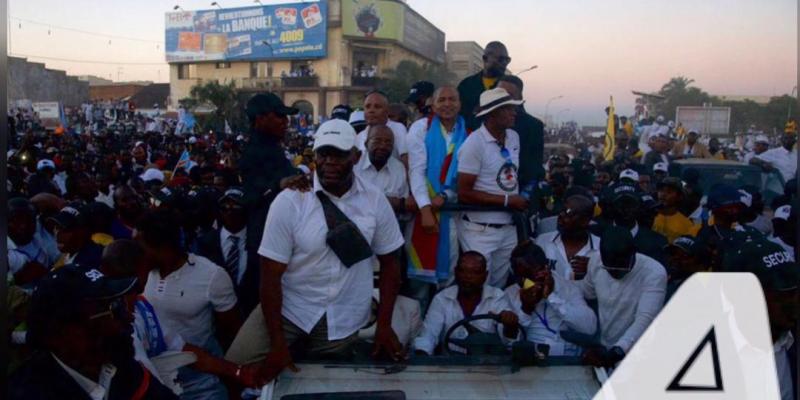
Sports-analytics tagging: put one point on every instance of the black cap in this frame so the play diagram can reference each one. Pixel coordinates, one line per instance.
(621, 190)
(671, 182)
(234, 194)
(774, 267)
(690, 245)
(71, 216)
(165, 195)
(264, 103)
(420, 89)
(616, 241)
(62, 291)
(723, 195)
(342, 111)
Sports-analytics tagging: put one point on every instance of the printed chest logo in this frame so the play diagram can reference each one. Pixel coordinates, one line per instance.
(507, 177)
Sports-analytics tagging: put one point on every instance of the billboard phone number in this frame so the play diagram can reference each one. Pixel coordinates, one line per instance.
(297, 35)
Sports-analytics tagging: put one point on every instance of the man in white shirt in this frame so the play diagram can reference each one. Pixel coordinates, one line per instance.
(433, 145)
(378, 167)
(629, 289)
(777, 272)
(309, 287)
(487, 175)
(469, 296)
(572, 246)
(191, 296)
(783, 158)
(29, 257)
(760, 145)
(376, 112)
(546, 303)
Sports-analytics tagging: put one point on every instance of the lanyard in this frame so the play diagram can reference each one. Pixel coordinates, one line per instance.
(543, 320)
(156, 342)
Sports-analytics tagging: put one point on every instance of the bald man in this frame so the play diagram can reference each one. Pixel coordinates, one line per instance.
(378, 167)
(495, 62)
(376, 112)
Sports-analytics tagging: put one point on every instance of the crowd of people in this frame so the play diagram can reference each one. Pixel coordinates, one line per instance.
(154, 265)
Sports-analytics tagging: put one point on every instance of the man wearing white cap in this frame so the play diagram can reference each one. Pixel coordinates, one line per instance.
(316, 265)
(760, 145)
(42, 181)
(657, 128)
(783, 159)
(487, 175)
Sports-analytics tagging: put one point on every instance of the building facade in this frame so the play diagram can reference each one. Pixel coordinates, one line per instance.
(362, 41)
(33, 82)
(464, 58)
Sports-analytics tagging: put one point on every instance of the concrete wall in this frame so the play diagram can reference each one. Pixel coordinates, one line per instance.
(34, 82)
(113, 92)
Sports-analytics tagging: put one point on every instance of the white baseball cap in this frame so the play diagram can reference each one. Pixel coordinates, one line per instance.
(782, 212)
(761, 139)
(661, 166)
(629, 174)
(42, 164)
(336, 133)
(356, 117)
(493, 99)
(192, 140)
(152, 174)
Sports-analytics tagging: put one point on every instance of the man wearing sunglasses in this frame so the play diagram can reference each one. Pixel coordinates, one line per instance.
(227, 247)
(495, 61)
(487, 175)
(629, 289)
(80, 328)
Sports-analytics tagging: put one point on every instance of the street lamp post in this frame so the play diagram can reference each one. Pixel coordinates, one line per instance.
(527, 69)
(216, 4)
(562, 111)
(547, 106)
(789, 113)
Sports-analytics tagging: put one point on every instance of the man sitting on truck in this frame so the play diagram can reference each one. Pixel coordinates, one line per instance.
(470, 296)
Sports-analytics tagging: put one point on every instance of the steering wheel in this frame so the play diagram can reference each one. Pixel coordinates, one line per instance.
(471, 330)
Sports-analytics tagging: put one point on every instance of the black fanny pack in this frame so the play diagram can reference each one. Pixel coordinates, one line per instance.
(344, 237)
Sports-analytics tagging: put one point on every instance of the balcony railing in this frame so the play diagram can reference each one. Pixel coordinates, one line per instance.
(259, 83)
(300, 81)
(369, 81)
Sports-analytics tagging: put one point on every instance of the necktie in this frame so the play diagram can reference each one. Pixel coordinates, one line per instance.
(232, 259)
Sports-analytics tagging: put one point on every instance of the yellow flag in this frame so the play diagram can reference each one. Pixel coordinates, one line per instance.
(610, 143)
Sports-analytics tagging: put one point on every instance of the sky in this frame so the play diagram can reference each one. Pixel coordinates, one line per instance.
(585, 50)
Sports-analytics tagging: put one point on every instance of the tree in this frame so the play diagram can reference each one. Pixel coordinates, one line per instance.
(402, 77)
(219, 100)
(679, 92)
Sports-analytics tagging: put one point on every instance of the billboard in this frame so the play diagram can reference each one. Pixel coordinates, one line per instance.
(392, 20)
(286, 31)
(705, 120)
(372, 19)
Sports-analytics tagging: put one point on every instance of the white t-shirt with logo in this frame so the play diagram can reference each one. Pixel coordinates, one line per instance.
(481, 155)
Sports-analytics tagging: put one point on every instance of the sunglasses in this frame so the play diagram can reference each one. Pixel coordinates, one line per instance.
(116, 309)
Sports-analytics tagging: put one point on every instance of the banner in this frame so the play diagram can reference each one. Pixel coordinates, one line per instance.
(285, 31)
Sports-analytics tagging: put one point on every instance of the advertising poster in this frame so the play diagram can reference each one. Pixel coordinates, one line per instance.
(285, 31)
(372, 19)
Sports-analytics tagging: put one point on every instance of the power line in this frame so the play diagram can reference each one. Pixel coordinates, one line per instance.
(84, 61)
(27, 21)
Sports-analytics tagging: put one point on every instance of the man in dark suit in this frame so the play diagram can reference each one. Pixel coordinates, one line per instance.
(81, 329)
(531, 135)
(626, 203)
(228, 247)
(495, 61)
